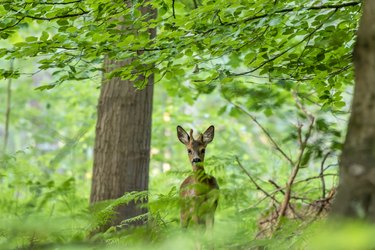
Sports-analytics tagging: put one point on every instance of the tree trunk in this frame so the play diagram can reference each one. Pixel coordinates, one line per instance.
(356, 191)
(122, 144)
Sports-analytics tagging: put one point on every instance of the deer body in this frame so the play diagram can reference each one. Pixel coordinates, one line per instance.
(199, 191)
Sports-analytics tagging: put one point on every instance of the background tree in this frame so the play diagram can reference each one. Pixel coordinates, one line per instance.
(123, 137)
(356, 191)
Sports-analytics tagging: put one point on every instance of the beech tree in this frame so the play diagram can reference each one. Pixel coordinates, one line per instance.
(122, 145)
(356, 191)
(123, 137)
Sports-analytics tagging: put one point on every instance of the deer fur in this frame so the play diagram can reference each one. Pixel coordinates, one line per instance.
(199, 191)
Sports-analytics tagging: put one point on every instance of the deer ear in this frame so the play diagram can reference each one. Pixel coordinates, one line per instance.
(182, 135)
(208, 135)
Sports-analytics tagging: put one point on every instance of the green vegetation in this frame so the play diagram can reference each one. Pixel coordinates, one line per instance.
(274, 77)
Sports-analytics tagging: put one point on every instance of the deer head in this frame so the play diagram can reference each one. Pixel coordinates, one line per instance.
(196, 148)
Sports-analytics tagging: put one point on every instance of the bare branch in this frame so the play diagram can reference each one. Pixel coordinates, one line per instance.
(280, 189)
(276, 186)
(283, 188)
(195, 4)
(322, 174)
(173, 10)
(254, 182)
(314, 177)
(277, 147)
(293, 175)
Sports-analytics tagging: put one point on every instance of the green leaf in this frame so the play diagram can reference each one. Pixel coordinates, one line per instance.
(31, 39)
(71, 29)
(306, 157)
(268, 112)
(44, 36)
(320, 56)
(339, 104)
(62, 22)
(72, 68)
(45, 87)
(4, 35)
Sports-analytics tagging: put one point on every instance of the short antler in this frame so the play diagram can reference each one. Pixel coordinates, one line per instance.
(191, 134)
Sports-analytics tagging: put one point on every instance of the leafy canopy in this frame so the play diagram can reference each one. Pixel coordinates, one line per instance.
(208, 43)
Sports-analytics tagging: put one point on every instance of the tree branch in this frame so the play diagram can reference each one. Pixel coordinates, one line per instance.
(13, 25)
(60, 3)
(287, 10)
(280, 189)
(322, 175)
(307, 37)
(254, 182)
(293, 175)
(173, 10)
(321, 7)
(195, 4)
(57, 17)
(313, 177)
(45, 3)
(283, 188)
(277, 147)
(67, 15)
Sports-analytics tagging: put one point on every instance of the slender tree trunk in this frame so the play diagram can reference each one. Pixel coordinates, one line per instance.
(122, 144)
(8, 110)
(356, 191)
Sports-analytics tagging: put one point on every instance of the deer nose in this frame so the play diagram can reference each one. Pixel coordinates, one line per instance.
(196, 160)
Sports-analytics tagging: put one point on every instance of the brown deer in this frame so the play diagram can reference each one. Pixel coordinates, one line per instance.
(199, 191)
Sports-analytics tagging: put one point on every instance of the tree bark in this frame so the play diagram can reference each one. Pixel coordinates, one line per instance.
(122, 144)
(356, 191)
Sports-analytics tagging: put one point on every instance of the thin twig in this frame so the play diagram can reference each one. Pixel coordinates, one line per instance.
(173, 10)
(314, 177)
(61, 3)
(280, 189)
(294, 197)
(297, 165)
(276, 186)
(321, 7)
(322, 174)
(66, 15)
(301, 106)
(277, 147)
(272, 193)
(13, 25)
(254, 182)
(195, 4)
(331, 165)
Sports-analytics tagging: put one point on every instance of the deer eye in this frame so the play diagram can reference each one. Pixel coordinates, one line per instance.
(189, 151)
(203, 151)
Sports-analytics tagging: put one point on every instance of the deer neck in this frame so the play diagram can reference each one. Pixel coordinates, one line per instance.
(198, 169)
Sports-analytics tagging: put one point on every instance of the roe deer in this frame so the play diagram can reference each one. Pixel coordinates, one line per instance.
(199, 191)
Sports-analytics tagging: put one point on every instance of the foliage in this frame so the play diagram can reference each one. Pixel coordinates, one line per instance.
(273, 76)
